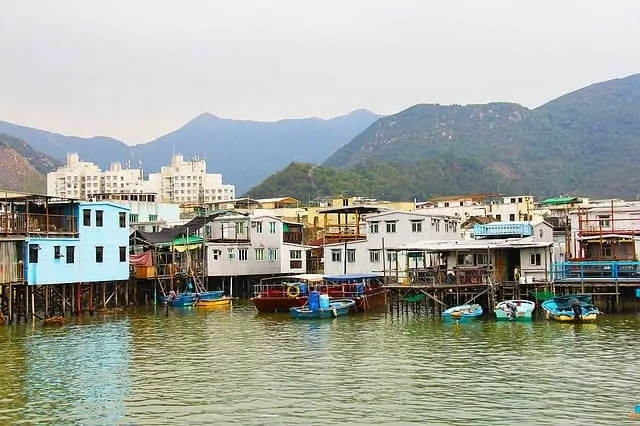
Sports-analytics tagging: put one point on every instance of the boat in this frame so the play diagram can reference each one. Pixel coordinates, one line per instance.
(463, 312)
(280, 294)
(514, 310)
(367, 290)
(221, 302)
(321, 307)
(573, 307)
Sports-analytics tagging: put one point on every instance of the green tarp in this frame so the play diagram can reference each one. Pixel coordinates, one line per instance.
(559, 201)
(183, 241)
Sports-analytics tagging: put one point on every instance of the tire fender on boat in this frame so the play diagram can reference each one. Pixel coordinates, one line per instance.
(293, 291)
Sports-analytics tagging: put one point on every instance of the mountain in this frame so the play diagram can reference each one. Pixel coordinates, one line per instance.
(421, 180)
(22, 168)
(585, 142)
(245, 152)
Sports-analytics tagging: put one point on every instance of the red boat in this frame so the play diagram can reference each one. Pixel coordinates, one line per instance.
(278, 294)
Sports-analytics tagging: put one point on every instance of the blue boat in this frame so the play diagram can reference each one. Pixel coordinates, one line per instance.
(319, 306)
(189, 298)
(463, 312)
(573, 307)
(515, 310)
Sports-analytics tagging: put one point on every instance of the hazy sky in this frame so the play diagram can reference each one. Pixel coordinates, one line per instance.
(136, 69)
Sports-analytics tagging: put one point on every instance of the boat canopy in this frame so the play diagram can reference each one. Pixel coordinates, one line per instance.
(351, 277)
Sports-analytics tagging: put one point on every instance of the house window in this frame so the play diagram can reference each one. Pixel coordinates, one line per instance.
(243, 254)
(231, 254)
(482, 259)
(446, 204)
(606, 251)
(272, 227)
(273, 254)
(56, 252)
(258, 226)
(133, 218)
(373, 227)
(153, 218)
(498, 217)
(123, 253)
(391, 226)
(512, 217)
(603, 221)
(239, 227)
(436, 224)
(465, 259)
(416, 226)
(351, 255)
(295, 254)
(99, 254)
(215, 254)
(86, 217)
(374, 256)
(446, 226)
(535, 259)
(99, 217)
(336, 255)
(122, 219)
(392, 256)
(259, 254)
(71, 254)
(461, 203)
(33, 253)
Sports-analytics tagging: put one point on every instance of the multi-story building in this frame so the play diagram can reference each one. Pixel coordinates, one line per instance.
(188, 182)
(504, 208)
(146, 213)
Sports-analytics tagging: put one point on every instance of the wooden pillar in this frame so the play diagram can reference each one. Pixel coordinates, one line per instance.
(26, 303)
(64, 300)
(78, 298)
(91, 298)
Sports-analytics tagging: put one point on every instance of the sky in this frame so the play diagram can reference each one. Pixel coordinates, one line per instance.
(137, 69)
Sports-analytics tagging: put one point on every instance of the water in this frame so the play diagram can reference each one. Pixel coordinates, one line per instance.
(236, 367)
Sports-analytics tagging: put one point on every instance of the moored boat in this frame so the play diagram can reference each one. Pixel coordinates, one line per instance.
(515, 310)
(367, 290)
(573, 307)
(221, 302)
(321, 307)
(463, 312)
(279, 294)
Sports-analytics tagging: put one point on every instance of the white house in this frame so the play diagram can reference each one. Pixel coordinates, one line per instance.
(387, 231)
(254, 245)
(146, 213)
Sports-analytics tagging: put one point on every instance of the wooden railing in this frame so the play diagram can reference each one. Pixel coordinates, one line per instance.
(23, 223)
(457, 276)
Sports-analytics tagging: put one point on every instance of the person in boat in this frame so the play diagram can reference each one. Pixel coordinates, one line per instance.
(172, 296)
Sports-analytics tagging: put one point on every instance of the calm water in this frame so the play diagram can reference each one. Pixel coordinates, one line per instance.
(237, 367)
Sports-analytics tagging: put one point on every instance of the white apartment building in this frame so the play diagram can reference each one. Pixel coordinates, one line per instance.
(188, 182)
(146, 213)
(254, 245)
(385, 231)
(505, 208)
(181, 182)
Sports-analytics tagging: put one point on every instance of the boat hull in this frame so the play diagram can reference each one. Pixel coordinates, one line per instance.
(221, 302)
(373, 300)
(463, 313)
(560, 308)
(336, 309)
(590, 317)
(272, 305)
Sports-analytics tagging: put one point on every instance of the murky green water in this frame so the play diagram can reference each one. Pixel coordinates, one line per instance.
(237, 367)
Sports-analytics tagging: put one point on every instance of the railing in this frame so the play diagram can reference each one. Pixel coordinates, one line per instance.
(23, 223)
(345, 232)
(292, 237)
(458, 276)
(596, 269)
(12, 273)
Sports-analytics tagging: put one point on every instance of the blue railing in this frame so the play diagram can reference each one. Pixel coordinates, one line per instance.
(596, 269)
(503, 229)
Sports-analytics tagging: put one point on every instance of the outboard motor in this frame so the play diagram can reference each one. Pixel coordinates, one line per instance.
(577, 309)
(513, 310)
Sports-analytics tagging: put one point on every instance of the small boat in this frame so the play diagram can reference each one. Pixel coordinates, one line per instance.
(514, 310)
(320, 306)
(279, 294)
(210, 295)
(463, 312)
(220, 302)
(573, 307)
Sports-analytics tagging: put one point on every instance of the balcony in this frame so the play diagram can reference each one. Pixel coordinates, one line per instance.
(292, 237)
(596, 270)
(341, 233)
(460, 276)
(37, 224)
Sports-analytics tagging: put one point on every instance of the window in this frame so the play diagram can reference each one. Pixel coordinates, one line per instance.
(243, 254)
(295, 254)
(273, 254)
(99, 217)
(392, 256)
(122, 219)
(482, 259)
(133, 218)
(603, 221)
(498, 217)
(272, 227)
(231, 254)
(215, 254)
(351, 255)
(465, 259)
(461, 203)
(86, 217)
(99, 254)
(416, 226)
(374, 256)
(512, 217)
(373, 227)
(258, 226)
(436, 224)
(123, 253)
(71, 254)
(336, 255)
(391, 226)
(535, 259)
(153, 218)
(513, 200)
(33, 253)
(259, 254)
(56, 252)
(239, 227)
(606, 251)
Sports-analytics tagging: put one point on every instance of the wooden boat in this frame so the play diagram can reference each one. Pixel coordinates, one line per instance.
(336, 308)
(367, 290)
(221, 302)
(573, 307)
(515, 310)
(463, 312)
(280, 294)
